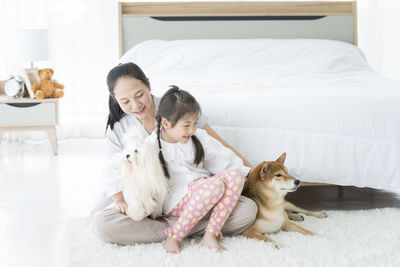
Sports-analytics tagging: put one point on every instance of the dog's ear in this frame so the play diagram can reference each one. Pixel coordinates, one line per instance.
(263, 171)
(282, 158)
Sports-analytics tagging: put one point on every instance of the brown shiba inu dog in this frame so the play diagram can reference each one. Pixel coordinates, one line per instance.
(268, 185)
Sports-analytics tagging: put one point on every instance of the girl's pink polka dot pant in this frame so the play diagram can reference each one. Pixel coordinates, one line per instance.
(220, 193)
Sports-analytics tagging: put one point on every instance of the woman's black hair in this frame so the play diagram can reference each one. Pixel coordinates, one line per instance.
(174, 105)
(122, 70)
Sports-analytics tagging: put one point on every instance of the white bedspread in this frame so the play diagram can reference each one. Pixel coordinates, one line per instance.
(317, 100)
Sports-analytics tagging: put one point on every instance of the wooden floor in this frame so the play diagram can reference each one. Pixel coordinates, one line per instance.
(343, 198)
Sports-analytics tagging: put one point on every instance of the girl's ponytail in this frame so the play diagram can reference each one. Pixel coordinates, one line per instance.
(160, 154)
(199, 150)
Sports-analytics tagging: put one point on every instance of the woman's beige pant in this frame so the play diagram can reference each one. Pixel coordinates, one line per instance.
(115, 227)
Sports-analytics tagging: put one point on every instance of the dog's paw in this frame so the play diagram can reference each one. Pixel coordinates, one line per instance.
(276, 245)
(321, 214)
(136, 215)
(309, 233)
(296, 217)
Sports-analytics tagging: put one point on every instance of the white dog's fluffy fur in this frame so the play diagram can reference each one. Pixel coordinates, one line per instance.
(144, 185)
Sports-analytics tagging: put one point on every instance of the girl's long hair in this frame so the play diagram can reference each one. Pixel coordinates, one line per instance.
(174, 105)
(122, 70)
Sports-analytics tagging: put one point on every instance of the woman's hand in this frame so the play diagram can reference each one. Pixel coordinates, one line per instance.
(121, 206)
(214, 134)
(120, 202)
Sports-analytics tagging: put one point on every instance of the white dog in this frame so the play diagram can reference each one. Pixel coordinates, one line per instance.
(144, 185)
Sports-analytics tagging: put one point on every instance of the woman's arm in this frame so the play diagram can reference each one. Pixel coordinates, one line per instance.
(214, 134)
(120, 203)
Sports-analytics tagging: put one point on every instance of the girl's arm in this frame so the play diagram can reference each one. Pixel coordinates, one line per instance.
(214, 134)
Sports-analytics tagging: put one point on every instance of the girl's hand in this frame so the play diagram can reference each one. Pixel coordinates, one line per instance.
(122, 206)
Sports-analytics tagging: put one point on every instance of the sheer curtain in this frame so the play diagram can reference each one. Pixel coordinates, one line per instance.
(8, 24)
(379, 38)
(84, 46)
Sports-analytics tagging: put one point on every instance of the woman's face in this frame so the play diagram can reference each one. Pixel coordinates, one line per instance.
(134, 97)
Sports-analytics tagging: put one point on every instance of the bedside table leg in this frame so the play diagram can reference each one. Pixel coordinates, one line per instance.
(51, 132)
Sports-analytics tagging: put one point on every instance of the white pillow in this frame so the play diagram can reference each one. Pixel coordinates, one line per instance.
(239, 55)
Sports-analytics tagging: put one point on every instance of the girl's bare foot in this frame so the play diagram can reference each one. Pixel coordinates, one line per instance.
(210, 240)
(171, 245)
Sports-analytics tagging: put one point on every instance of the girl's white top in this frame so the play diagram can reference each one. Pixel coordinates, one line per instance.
(111, 174)
(183, 170)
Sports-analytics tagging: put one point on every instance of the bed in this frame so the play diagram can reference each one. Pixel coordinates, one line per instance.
(296, 84)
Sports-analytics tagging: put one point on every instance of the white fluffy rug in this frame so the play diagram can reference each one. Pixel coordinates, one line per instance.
(347, 238)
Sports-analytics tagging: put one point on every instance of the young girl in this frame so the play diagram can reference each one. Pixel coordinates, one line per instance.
(203, 175)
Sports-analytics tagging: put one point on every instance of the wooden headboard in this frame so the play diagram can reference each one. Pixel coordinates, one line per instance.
(142, 21)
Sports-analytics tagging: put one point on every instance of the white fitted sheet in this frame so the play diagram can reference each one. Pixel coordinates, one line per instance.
(317, 100)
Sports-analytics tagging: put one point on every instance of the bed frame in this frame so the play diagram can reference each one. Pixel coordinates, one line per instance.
(142, 21)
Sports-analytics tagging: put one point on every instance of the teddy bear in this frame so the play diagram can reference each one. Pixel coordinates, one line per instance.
(46, 88)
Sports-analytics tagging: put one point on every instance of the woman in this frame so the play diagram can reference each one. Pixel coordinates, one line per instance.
(131, 104)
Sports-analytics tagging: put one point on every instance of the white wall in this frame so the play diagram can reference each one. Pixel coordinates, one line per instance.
(84, 47)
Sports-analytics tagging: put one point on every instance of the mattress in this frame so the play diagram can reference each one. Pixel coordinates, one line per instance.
(317, 100)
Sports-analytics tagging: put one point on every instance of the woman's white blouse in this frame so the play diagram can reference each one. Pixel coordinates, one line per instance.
(182, 170)
(111, 174)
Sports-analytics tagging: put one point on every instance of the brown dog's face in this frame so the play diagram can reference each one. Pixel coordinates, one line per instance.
(274, 175)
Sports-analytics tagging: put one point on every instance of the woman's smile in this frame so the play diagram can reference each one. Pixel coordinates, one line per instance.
(140, 112)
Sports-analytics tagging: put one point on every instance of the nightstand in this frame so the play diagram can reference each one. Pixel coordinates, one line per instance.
(27, 114)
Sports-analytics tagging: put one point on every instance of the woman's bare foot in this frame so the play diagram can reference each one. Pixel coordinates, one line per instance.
(171, 245)
(210, 240)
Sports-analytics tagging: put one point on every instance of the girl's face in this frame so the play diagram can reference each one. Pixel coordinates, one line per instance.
(134, 97)
(182, 131)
